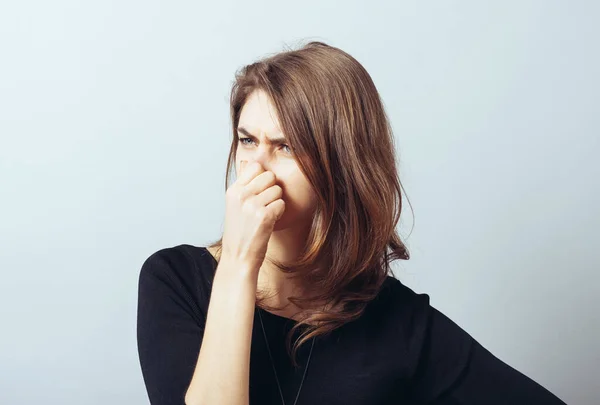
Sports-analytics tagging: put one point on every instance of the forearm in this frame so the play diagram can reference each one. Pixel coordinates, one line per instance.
(222, 372)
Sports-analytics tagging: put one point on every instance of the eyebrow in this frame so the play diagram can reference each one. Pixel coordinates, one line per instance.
(276, 141)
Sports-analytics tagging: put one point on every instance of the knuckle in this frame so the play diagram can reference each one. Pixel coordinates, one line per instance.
(270, 216)
(270, 176)
(243, 193)
(249, 207)
(261, 214)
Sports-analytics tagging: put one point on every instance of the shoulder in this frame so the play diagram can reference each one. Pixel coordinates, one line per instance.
(183, 260)
(396, 289)
(436, 348)
(399, 301)
(414, 323)
(398, 318)
(413, 312)
(186, 268)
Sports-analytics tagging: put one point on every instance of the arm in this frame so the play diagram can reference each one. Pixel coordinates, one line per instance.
(453, 368)
(171, 329)
(222, 373)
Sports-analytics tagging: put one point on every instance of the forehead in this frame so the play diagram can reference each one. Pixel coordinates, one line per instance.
(258, 115)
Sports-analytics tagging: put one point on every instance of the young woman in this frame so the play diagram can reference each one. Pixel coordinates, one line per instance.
(310, 231)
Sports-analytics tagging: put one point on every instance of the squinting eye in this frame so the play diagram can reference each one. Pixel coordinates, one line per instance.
(243, 142)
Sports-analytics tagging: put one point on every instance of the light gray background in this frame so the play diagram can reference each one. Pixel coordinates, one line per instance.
(114, 135)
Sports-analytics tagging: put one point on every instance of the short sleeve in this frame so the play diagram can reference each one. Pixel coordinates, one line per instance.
(454, 369)
(169, 328)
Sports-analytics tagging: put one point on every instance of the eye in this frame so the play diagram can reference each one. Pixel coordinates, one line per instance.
(248, 141)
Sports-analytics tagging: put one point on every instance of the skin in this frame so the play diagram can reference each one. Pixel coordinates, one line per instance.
(259, 119)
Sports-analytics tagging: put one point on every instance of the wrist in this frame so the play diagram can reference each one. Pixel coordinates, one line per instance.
(235, 270)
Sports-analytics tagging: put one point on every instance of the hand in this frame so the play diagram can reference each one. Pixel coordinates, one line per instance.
(253, 205)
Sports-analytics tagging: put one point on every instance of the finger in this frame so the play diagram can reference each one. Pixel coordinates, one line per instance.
(250, 170)
(244, 172)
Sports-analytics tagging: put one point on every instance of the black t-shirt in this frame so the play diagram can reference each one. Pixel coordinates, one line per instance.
(400, 351)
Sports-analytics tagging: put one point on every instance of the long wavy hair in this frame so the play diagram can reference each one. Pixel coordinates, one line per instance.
(334, 119)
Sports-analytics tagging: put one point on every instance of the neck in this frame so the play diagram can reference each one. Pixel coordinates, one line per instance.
(285, 245)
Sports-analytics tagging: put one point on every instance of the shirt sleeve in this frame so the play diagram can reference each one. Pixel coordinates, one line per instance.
(169, 328)
(454, 369)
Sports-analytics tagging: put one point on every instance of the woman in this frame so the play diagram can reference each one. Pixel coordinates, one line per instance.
(310, 230)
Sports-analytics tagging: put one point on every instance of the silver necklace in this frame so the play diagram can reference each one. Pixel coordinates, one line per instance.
(273, 364)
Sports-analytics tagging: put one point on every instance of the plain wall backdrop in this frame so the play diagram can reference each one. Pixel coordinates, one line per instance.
(114, 133)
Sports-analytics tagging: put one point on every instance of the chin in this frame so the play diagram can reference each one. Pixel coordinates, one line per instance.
(280, 224)
(290, 220)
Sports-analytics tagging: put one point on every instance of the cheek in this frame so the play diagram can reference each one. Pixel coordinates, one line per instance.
(298, 193)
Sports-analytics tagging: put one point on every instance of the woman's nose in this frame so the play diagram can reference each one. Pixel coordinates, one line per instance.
(262, 156)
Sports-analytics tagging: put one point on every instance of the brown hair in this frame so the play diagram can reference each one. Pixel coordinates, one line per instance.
(331, 113)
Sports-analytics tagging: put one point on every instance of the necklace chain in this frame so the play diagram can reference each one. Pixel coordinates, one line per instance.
(273, 363)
